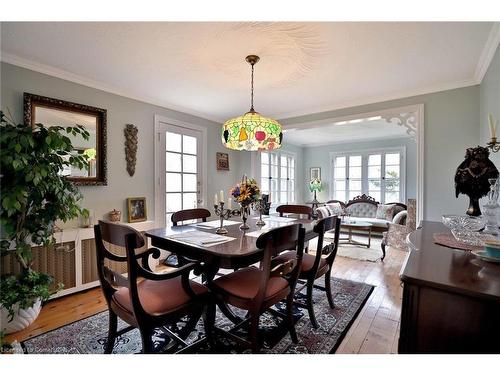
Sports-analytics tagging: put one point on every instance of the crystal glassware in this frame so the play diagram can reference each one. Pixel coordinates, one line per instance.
(491, 208)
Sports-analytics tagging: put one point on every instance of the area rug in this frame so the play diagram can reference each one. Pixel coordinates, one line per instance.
(371, 254)
(88, 336)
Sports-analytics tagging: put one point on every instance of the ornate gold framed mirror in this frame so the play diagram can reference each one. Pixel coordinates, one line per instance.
(56, 112)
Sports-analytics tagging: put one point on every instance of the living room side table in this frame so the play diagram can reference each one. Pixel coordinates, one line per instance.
(314, 205)
(356, 225)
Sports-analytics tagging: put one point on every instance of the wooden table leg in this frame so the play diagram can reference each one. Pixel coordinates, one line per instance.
(210, 272)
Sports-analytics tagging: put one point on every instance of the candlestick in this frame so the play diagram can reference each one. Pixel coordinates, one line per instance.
(259, 206)
(221, 196)
(223, 214)
(493, 125)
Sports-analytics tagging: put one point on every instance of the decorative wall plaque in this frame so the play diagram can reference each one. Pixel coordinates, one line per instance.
(131, 147)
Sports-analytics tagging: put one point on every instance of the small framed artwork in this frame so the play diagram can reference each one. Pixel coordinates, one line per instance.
(315, 173)
(136, 209)
(222, 161)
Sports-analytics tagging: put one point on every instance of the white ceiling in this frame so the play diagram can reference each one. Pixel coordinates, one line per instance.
(364, 130)
(305, 67)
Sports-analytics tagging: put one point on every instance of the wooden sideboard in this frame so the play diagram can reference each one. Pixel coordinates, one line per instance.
(451, 299)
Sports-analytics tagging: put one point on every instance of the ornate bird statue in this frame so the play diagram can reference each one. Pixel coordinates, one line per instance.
(472, 177)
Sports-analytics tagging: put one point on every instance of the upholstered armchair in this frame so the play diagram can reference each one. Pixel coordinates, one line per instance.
(396, 233)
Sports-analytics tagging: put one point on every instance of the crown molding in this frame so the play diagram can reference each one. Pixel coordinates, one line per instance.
(378, 99)
(75, 78)
(488, 53)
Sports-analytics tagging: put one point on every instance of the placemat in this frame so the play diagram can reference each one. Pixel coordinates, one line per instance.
(447, 239)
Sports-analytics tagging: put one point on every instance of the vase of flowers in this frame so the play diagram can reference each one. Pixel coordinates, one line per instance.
(245, 193)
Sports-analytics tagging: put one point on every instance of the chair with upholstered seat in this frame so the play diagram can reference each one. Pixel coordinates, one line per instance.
(315, 266)
(256, 289)
(144, 299)
(190, 214)
(297, 209)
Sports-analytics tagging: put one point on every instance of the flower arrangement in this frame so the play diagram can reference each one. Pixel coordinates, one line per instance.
(246, 192)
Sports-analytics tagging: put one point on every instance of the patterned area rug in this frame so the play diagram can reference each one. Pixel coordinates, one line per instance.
(88, 336)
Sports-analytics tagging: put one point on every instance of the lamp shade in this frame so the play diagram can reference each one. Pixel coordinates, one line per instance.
(252, 132)
(315, 185)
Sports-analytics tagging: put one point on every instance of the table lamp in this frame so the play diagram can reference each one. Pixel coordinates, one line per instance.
(315, 186)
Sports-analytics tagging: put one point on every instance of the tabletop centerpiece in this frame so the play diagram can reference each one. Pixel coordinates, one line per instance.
(245, 193)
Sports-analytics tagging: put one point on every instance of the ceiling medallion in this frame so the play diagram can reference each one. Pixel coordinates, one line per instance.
(252, 132)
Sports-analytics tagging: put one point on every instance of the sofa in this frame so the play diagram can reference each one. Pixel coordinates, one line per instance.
(366, 208)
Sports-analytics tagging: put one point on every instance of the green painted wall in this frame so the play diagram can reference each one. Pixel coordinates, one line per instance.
(451, 119)
(489, 98)
(121, 110)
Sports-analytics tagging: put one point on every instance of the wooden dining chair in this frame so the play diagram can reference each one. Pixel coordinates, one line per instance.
(190, 214)
(315, 266)
(144, 299)
(297, 209)
(256, 289)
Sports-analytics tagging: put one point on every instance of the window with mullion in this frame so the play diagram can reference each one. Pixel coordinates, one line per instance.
(377, 174)
(181, 173)
(278, 176)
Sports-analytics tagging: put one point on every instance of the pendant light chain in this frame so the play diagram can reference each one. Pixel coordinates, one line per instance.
(251, 107)
(252, 131)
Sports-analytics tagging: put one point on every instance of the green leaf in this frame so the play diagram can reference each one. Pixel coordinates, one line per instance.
(17, 147)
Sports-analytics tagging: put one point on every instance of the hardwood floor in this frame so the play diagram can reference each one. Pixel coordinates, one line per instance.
(375, 330)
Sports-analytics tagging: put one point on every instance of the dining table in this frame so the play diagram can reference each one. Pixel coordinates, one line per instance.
(239, 249)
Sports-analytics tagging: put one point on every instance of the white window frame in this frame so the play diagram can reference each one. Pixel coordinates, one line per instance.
(160, 122)
(257, 172)
(364, 170)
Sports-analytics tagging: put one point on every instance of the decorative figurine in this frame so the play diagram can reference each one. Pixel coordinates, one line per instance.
(472, 177)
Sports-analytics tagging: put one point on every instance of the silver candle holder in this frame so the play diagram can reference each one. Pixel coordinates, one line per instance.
(223, 213)
(259, 206)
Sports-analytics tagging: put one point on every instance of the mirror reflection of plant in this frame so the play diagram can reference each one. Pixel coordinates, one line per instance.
(34, 196)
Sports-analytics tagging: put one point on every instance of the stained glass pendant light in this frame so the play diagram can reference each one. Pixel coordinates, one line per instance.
(252, 131)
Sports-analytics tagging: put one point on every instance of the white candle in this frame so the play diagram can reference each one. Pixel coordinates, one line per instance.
(221, 196)
(216, 200)
(229, 202)
(492, 126)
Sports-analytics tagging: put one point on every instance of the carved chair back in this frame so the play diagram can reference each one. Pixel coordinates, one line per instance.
(331, 223)
(127, 237)
(190, 214)
(273, 243)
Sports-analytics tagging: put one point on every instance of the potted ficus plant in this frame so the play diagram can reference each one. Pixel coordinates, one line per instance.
(34, 194)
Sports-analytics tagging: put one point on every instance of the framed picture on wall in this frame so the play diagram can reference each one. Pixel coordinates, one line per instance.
(222, 161)
(315, 173)
(136, 209)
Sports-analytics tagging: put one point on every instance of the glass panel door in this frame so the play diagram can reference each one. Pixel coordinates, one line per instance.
(181, 173)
